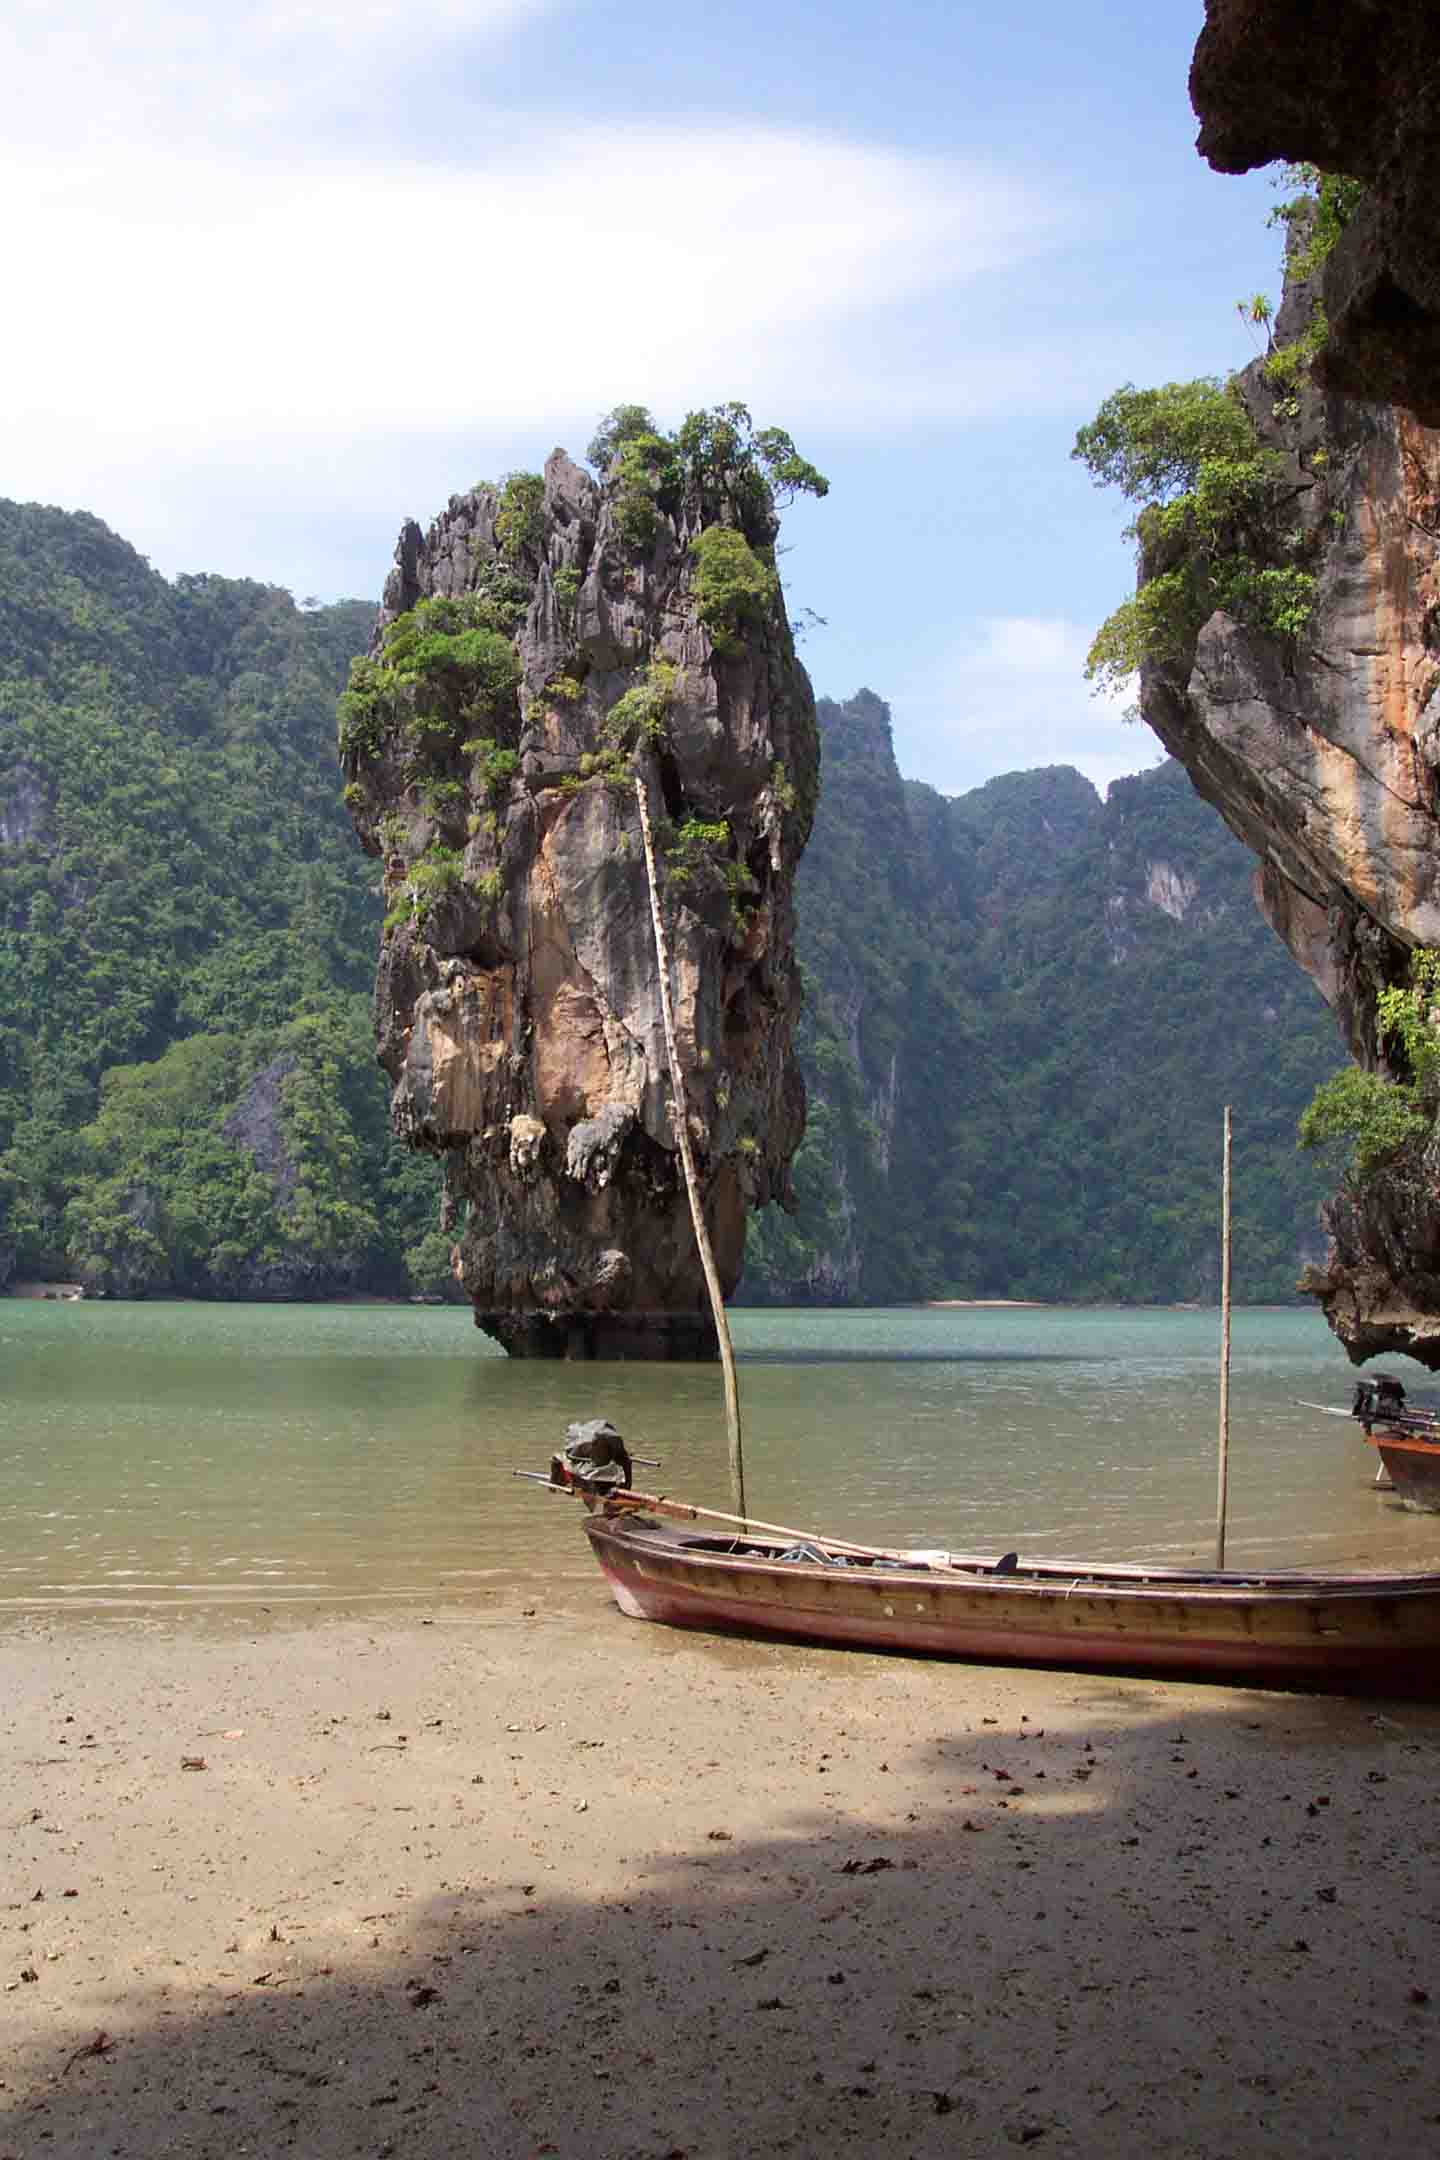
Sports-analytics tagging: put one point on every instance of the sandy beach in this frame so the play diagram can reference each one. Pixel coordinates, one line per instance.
(512, 1881)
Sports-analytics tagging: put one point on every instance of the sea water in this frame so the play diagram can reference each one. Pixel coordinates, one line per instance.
(165, 1455)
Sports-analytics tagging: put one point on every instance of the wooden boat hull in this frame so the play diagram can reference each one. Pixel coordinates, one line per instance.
(1413, 1466)
(1379, 1633)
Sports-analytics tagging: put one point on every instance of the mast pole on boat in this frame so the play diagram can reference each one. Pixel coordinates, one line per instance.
(1223, 1483)
(680, 1117)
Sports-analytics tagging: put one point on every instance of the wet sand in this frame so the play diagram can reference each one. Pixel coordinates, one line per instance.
(506, 1882)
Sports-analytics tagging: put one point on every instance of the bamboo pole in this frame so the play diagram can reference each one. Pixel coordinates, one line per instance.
(624, 1500)
(1222, 1498)
(680, 1118)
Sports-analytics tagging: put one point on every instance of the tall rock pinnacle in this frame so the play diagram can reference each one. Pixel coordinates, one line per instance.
(545, 642)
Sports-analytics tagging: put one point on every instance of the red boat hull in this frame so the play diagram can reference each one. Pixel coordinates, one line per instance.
(1413, 1466)
(1374, 1633)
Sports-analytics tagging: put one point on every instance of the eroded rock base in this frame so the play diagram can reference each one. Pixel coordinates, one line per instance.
(657, 1337)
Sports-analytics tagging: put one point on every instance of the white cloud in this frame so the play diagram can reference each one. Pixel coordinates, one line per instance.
(1012, 695)
(216, 71)
(222, 293)
(218, 327)
(260, 327)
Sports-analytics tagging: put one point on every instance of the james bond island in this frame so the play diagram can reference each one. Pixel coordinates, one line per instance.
(548, 641)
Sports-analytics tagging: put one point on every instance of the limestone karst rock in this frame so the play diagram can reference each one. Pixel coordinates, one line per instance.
(1322, 750)
(1352, 89)
(535, 648)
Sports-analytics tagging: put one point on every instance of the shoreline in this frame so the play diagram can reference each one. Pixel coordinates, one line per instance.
(30, 1292)
(539, 1879)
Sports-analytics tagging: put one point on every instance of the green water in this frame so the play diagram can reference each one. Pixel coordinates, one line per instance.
(185, 1454)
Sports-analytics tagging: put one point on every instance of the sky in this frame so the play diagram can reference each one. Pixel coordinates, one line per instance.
(284, 275)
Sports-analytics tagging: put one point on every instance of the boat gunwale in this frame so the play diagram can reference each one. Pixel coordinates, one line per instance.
(1404, 1443)
(1129, 1580)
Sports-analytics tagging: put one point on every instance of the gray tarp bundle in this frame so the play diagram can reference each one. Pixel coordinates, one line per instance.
(596, 1455)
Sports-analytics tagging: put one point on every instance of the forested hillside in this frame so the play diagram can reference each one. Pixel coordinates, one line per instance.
(1025, 1007)
(188, 1097)
(1026, 1010)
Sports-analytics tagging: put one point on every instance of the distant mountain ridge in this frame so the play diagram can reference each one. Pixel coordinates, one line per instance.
(1026, 1008)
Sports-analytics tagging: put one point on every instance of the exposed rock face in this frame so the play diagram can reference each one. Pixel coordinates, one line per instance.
(517, 1003)
(257, 1125)
(1323, 755)
(1353, 89)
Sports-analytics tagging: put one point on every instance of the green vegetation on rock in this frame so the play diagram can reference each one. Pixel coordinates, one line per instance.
(1209, 493)
(1372, 1122)
(1216, 524)
(188, 1097)
(638, 718)
(520, 517)
(717, 458)
(733, 585)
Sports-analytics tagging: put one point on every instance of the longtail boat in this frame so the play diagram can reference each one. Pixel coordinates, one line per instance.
(693, 1567)
(1326, 1630)
(1405, 1437)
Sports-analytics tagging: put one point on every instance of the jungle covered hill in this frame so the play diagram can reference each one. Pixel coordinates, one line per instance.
(188, 1098)
(1026, 1010)
(1025, 1007)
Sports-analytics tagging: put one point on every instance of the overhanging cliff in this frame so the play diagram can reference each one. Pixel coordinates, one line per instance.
(1351, 89)
(541, 645)
(1321, 747)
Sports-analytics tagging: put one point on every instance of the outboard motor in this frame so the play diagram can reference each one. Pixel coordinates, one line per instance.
(594, 1457)
(1377, 1400)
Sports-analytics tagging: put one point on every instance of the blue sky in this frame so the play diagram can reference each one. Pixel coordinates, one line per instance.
(286, 274)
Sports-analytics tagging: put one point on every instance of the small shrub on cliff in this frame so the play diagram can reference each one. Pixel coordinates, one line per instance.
(481, 661)
(1315, 215)
(365, 711)
(493, 766)
(520, 518)
(644, 478)
(724, 457)
(440, 798)
(610, 765)
(622, 424)
(639, 718)
(694, 846)
(433, 624)
(1155, 445)
(716, 456)
(1382, 1120)
(443, 661)
(782, 787)
(501, 595)
(733, 587)
(1208, 493)
(428, 881)
(1375, 1119)
(1409, 1016)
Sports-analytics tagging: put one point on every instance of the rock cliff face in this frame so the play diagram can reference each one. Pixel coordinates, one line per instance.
(1323, 753)
(1356, 90)
(539, 646)
(1325, 759)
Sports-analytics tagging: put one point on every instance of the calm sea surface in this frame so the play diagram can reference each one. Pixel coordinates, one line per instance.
(169, 1455)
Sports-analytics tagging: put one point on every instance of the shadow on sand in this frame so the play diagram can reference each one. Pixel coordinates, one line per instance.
(1181, 1921)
